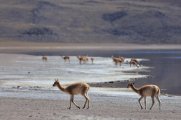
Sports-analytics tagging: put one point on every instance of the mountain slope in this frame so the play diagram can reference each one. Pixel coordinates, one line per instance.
(85, 21)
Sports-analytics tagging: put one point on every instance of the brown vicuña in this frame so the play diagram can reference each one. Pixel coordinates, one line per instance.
(134, 61)
(83, 59)
(66, 58)
(75, 89)
(92, 59)
(146, 90)
(122, 58)
(117, 60)
(44, 58)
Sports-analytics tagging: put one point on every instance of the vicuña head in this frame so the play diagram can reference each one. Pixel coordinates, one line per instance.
(56, 83)
(130, 84)
(74, 89)
(146, 90)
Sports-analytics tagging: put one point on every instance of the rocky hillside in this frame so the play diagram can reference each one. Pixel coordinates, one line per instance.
(85, 21)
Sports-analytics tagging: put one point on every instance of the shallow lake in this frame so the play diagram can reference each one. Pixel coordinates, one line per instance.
(29, 72)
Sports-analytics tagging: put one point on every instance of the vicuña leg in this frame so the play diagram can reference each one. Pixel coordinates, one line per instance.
(145, 102)
(153, 102)
(71, 97)
(158, 102)
(74, 102)
(87, 100)
(140, 102)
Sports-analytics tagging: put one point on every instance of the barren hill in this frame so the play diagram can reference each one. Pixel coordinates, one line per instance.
(87, 21)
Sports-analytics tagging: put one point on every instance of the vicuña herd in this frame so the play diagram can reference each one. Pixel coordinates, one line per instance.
(82, 88)
(84, 59)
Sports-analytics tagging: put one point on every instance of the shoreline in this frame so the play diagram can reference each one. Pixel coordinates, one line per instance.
(154, 72)
(123, 84)
(45, 47)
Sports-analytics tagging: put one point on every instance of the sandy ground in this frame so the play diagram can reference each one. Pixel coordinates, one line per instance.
(101, 108)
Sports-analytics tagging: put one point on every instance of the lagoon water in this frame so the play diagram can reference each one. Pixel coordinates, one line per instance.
(28, 76)
(30, 71)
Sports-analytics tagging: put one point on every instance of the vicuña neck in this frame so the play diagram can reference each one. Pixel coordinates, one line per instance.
(135, 89)
(61, 88)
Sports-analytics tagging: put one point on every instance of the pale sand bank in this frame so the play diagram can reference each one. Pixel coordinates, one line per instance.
(102, 108)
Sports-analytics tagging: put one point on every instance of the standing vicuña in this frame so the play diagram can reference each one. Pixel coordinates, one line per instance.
(66, 58)
(117, 60)
(146, 90)
(92, 59)
(74, 89)
(82, 59)
(44, 58)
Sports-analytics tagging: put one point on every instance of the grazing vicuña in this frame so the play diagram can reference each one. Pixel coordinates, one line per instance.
(135, 62)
